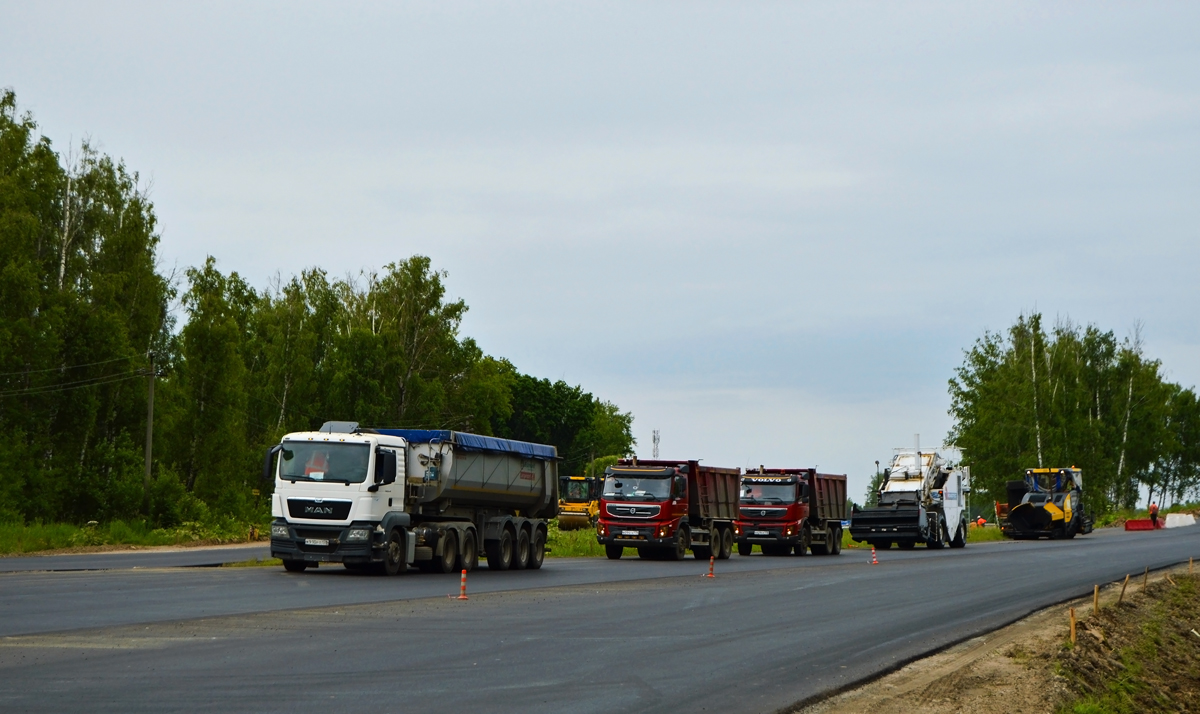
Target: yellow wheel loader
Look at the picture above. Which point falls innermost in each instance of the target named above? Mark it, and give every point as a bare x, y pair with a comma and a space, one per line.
579, 502
1048, 503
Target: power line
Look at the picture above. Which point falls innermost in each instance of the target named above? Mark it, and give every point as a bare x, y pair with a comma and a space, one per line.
68, 386
59, 369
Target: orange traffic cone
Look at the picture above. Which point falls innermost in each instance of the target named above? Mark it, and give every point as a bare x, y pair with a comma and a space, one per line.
711, 559
874, 560
462, 586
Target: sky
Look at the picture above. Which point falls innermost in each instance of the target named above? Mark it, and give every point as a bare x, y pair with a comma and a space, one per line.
768, 230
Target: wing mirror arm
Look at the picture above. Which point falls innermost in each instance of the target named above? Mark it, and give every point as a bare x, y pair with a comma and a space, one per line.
267, 462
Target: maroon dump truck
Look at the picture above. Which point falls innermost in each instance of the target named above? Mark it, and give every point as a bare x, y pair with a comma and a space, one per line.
663, 508
791, 510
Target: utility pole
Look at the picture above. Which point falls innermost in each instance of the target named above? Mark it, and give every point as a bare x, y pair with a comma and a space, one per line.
656, 443
149, 434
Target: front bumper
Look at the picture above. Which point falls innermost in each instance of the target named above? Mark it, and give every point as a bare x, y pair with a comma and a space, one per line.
767, 533
631, 535
325, 544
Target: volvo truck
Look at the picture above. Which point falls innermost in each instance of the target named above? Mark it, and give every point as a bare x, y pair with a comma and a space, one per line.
665, 508
385, 499
785, 511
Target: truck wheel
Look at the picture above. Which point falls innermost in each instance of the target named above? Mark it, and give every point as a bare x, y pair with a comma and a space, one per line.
745, 548
801, 548
537, 550
500, 553
702, 552
907, 544
960, 538
647, 553
683, 539
836, 548
294, 566
445, 562
520, 559
614, 552
395, 557
726, 544
470, 552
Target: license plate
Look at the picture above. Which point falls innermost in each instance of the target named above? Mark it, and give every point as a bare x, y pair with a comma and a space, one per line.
316, 541
762, 532
632, 533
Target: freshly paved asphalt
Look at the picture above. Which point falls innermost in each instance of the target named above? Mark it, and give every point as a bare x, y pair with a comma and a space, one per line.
180, 558
581, 635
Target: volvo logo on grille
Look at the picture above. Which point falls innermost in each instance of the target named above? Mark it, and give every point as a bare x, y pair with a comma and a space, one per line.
762, 513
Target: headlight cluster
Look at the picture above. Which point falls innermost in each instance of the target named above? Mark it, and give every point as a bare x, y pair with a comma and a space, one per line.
664, 531
358, 535
602, 530
279, 530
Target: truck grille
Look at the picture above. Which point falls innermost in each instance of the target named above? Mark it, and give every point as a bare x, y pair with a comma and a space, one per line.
318, 509
750, 513
628, 510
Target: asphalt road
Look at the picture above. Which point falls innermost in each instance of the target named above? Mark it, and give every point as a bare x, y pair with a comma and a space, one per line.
125, 559
583, 635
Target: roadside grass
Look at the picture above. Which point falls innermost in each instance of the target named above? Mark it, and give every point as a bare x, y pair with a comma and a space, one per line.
573, 544
983, 534
37, 536
255, 563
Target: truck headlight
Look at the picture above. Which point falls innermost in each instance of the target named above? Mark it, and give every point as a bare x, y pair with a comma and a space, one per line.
279, 530
358, 535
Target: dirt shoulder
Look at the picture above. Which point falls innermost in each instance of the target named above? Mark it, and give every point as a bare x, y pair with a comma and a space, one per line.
1137, 656
124, 548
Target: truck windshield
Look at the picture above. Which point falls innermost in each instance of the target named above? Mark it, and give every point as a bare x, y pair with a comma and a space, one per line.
636, 488
322, 461
769, 493
576, 492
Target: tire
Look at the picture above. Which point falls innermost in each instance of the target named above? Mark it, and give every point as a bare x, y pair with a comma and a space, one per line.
614, 552
521, 551
537, 550
960, 538
821, 548
357, 567
907, 544
446, 562
295, 566
500, 552
647, 553
801, 548
726, 544
395, 558
837, 542
470, 552
702, 552
677, 551
745, 548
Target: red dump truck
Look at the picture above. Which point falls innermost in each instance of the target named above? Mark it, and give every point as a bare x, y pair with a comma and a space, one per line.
791, 510
663, 508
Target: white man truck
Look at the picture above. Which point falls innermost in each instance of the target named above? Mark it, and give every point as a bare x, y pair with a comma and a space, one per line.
384, 499
920, 501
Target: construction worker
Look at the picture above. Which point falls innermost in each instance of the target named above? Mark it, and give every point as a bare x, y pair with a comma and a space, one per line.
1153, 514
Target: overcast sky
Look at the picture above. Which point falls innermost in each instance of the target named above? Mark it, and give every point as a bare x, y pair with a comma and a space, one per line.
767, 229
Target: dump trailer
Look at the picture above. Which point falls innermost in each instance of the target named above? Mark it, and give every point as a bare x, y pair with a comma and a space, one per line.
1047, 503
920, 501
663, 508
578, 502
384, 499
787, 511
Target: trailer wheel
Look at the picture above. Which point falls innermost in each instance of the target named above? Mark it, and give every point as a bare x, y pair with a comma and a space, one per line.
470, 552
500, 552
537, 550
449, 558
726, 544
745, 548
614, 552
520, 559
395, 556
294, 566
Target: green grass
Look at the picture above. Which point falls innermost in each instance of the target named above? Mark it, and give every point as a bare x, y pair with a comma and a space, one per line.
975, 534
573, 544
255, 563
34, 537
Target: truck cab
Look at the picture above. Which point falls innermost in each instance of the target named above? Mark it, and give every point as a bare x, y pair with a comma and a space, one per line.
790, 510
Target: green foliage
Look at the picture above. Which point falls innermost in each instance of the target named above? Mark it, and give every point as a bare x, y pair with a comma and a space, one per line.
1073, 397
572, 544
82, 308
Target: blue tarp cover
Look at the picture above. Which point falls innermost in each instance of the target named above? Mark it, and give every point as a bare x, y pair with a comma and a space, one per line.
473, 441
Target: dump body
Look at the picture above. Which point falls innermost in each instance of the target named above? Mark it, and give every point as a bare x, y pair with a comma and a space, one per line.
387, 498
578, 502
664, 508
1047, 503
791, 510
921, 501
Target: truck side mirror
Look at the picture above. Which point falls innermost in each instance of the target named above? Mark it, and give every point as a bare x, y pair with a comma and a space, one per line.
680, 486
887, 474
268, 461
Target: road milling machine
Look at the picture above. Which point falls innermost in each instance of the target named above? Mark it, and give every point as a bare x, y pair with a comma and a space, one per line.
921, 500
1048, 503
579, 502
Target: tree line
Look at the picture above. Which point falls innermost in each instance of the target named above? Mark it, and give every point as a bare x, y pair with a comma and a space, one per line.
1075, 396
88, 322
